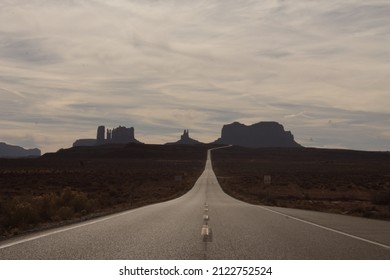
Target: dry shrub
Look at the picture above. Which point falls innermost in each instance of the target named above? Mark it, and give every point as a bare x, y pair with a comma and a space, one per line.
21, 213
77, 201
65, 213
25, 212
382, 198
46, 205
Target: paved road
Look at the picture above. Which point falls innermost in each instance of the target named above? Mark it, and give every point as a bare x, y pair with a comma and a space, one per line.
233, 230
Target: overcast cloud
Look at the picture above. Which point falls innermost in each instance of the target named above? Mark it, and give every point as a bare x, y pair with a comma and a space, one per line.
320, 68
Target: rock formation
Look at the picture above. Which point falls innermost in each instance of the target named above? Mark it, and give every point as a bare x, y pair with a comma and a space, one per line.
119, 135
100, 137
262, 134
122, 134
185, 140
10, 151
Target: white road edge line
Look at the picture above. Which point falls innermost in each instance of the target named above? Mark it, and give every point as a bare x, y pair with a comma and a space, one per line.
91, 222
329, 229
67, 228
317, 225
10, 244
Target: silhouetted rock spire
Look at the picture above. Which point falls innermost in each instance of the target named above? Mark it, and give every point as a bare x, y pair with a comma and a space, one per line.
185, 136
100, 138
185, 139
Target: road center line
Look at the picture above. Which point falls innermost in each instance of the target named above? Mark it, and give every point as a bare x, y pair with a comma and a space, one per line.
327, 228
205, 230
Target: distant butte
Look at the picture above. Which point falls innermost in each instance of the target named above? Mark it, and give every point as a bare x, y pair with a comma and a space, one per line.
185, 140
258, 135
119, 135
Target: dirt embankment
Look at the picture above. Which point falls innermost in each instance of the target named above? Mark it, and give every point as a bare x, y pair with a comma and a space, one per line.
337, 181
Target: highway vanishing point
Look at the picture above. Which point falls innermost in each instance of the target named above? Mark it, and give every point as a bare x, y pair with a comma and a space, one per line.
205, 223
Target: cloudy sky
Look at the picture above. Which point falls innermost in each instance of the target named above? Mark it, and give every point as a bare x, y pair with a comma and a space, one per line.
320, 68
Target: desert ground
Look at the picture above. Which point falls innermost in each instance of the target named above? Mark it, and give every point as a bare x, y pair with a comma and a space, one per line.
85, 182
338, 181
80, 183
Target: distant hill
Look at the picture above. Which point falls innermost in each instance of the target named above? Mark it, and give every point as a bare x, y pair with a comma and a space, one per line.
262, 134
185, 139
10, 151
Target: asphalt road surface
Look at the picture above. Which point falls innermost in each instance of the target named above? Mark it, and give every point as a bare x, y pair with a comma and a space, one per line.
206, 223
